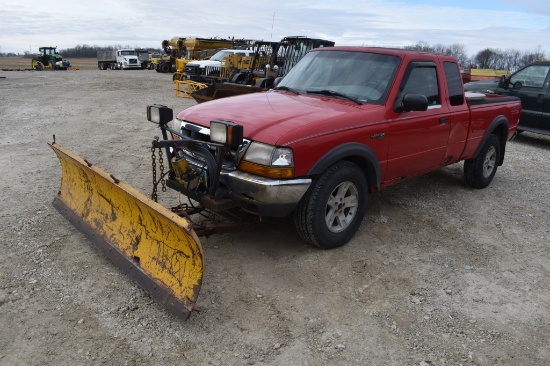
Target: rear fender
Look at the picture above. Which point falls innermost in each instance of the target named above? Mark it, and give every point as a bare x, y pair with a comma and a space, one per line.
499, 127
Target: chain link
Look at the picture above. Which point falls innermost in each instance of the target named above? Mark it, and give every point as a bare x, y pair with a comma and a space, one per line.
154, 196
161, 169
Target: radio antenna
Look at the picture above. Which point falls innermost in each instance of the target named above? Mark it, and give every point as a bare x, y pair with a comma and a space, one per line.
272, 23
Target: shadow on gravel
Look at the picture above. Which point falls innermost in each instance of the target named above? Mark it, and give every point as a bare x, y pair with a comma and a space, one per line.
533, 139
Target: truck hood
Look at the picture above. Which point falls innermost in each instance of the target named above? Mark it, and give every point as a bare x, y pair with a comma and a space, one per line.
277, 117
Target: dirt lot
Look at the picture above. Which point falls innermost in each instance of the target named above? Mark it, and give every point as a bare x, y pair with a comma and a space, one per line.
439, 274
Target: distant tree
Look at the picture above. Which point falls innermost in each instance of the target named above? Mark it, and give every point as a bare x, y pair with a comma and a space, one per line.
456, 50
86, 51
536, 55
422, 46
485, 59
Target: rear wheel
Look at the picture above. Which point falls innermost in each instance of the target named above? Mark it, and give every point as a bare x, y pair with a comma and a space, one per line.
480, 171
333, 208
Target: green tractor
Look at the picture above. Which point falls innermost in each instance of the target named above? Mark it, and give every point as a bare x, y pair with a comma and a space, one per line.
48, 58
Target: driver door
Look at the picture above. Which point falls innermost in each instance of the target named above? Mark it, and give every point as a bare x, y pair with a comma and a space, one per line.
418, 139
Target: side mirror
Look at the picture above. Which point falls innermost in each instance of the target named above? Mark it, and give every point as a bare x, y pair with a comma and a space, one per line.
411, 102
502, 82
517, 85
277, 81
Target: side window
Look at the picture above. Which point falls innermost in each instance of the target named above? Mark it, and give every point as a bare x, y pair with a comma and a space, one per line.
423, 80
532, 76
454, 83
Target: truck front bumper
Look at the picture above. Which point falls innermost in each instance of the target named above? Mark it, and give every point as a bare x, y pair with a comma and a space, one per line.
251, 193
264, 196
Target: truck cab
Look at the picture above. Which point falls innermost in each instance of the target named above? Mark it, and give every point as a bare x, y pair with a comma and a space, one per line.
127, 59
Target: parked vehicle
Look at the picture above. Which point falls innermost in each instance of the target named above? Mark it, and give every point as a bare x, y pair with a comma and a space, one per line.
123, 59
180, 51
269, 62
48, 59
532, 85
196, 70
144, 58
344, 122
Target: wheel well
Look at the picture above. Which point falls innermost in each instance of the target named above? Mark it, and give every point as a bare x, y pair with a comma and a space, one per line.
499, 128
357, 153
367, 168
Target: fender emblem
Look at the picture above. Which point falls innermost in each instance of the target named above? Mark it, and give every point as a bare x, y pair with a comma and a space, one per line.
379, 136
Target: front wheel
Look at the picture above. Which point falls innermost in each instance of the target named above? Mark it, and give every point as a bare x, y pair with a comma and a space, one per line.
480, 170
333, 208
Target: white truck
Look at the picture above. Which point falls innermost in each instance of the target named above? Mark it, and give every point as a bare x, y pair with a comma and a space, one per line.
195, 70
123, 59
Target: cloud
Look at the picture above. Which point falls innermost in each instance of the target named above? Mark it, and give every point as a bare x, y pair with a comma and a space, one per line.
495, 24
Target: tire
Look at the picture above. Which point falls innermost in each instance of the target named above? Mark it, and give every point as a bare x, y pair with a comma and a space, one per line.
333, 208
480, 170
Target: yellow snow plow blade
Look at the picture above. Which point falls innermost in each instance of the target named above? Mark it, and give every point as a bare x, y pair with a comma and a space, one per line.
153, 245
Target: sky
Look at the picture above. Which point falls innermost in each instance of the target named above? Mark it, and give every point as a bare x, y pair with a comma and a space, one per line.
498, 24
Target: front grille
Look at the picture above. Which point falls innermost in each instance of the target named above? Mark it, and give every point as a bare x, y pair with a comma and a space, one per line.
192, 70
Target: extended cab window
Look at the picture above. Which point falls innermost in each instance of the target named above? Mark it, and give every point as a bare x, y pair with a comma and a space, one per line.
422, 79
532, 76
454, 83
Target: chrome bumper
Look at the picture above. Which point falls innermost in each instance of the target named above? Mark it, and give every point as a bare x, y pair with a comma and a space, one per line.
264, 196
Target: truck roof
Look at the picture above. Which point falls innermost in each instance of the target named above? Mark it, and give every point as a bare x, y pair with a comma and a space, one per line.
385, 50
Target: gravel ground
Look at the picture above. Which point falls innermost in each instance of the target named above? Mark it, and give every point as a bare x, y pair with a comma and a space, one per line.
438, 274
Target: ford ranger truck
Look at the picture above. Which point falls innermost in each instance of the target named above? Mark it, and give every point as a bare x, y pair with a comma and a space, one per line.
343, 123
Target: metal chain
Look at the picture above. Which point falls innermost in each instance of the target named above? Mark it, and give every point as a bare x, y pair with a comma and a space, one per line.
161, 169
154, 196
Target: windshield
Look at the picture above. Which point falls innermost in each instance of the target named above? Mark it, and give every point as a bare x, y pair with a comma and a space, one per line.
364, 77
128, 53
218, 56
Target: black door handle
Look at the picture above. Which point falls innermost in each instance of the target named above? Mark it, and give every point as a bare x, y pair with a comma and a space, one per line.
443, 120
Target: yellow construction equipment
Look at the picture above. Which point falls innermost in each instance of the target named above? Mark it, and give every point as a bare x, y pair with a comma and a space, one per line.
185, 88
182, 50
156, 247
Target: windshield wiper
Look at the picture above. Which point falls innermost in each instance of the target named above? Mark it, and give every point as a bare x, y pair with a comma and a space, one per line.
334, 94
287, 89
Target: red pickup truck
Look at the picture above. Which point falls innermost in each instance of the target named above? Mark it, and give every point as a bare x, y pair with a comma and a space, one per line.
344, 122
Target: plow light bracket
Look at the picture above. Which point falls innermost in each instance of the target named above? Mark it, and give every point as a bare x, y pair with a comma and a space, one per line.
159, 114
227, 133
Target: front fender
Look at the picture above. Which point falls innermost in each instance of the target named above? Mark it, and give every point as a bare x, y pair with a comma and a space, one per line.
355, 152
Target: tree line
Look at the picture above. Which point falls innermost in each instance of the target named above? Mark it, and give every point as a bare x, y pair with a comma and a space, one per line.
86, 51
489, 58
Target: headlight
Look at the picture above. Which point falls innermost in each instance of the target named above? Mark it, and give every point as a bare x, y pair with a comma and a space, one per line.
268, 161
